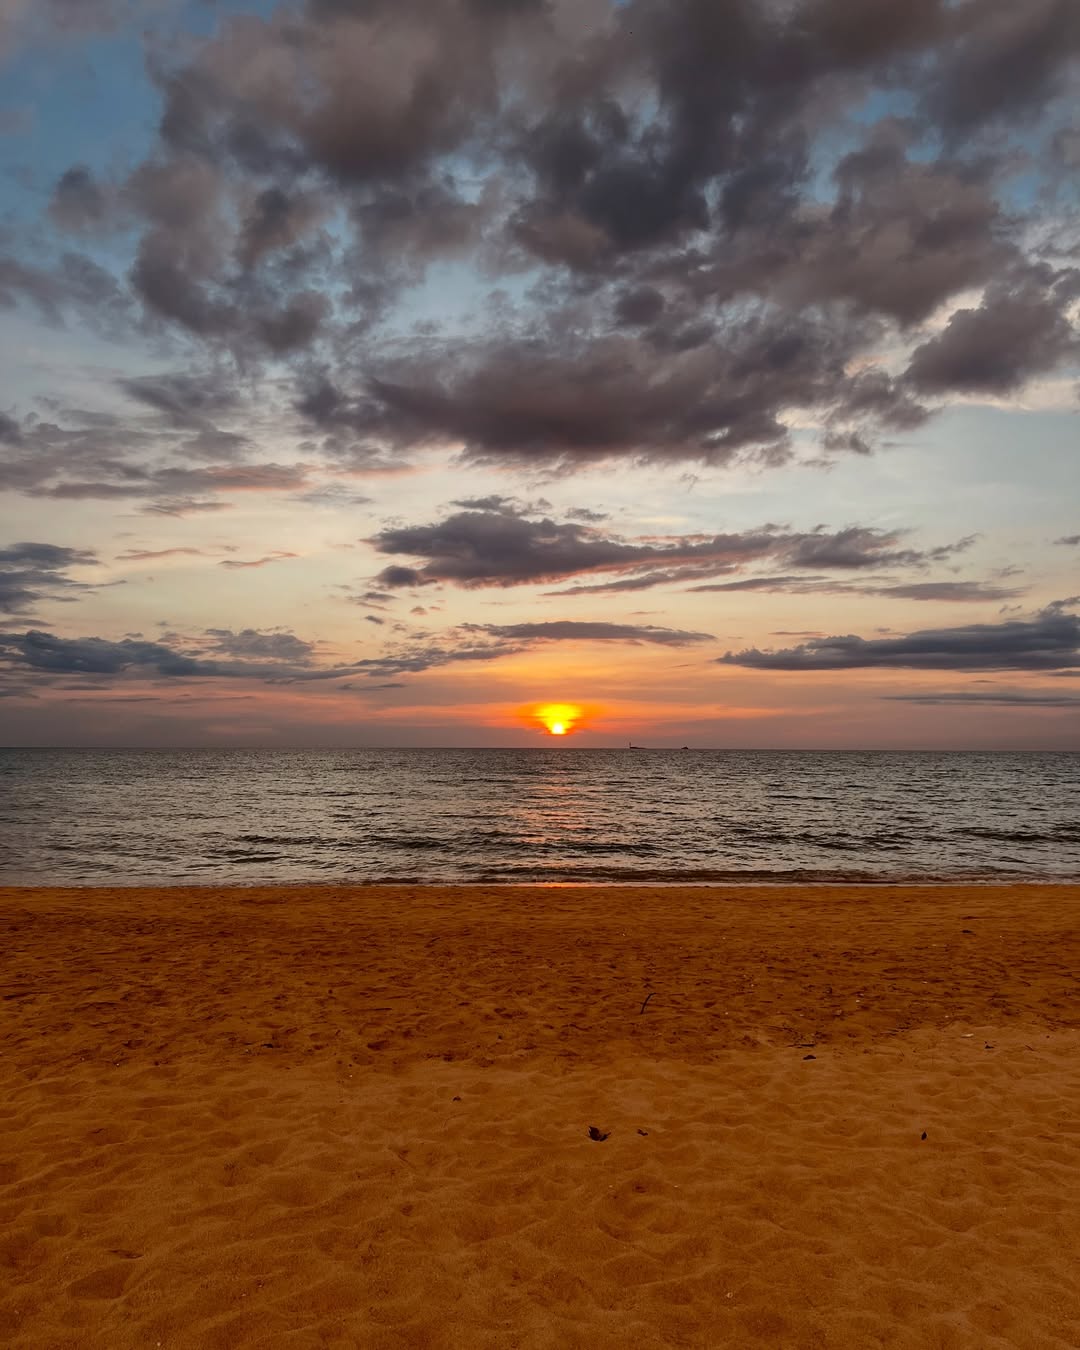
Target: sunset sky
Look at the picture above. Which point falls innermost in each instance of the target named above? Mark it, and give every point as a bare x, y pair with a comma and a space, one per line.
375, 371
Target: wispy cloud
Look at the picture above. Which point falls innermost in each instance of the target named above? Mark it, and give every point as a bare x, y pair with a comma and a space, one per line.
1002, 698
279, 555
568, 630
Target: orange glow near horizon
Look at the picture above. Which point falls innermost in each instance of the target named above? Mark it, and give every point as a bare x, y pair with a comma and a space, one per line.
557, 719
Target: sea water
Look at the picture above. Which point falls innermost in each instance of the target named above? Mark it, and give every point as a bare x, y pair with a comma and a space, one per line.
538, 815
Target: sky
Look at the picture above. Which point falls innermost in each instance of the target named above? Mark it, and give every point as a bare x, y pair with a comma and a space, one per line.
382, 372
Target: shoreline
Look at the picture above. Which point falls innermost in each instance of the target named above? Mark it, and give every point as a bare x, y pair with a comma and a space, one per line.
324, 1116
779, 882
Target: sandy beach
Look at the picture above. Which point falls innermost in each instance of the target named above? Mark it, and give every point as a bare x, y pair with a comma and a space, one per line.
306, 1117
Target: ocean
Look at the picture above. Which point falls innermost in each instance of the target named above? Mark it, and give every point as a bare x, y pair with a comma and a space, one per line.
139, 817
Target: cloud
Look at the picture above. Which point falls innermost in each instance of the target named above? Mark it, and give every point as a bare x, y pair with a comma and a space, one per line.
858, 547
1005, 698
268, 656
1005, 61
493, 502
706, 236
30, 572
504, 547
249, 654
279, 555
1050, 641
10, 431
567, 630
253, 644
153, 554
96, 656
173, 485
278, 656
1014, 335
185, 399
276, 219
72, 285
183, 506
333, 495
948, 591
183, 438
1069, 539
79, 203
555, 401
428, 656
372, 599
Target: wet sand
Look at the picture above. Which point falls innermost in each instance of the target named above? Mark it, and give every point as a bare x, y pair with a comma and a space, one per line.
307, 1117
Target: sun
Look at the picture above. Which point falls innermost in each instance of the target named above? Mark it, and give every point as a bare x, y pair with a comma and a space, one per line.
557, 719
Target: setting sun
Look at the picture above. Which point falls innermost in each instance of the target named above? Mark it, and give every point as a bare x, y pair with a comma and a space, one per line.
558, 719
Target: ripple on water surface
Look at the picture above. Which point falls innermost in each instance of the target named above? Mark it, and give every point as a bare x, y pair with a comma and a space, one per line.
565, 815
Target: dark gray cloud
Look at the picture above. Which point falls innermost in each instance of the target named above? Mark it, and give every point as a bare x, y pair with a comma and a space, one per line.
280, 657
349, 425
1005, 60
564, 402
1050, 641
995, 349
505, 547
223, 654
568, 630
79, 203
1069, 539
275, 220
96, 656
30, 572
713, 236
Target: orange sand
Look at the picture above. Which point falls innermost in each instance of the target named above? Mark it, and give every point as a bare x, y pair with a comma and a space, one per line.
327, 1117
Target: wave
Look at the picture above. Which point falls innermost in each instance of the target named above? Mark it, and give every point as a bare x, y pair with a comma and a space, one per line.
1058, 834
538, 817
